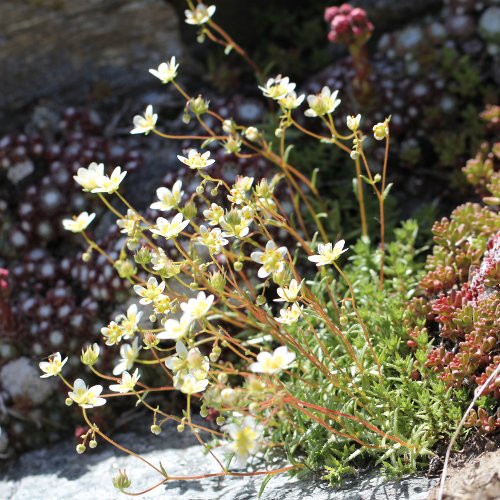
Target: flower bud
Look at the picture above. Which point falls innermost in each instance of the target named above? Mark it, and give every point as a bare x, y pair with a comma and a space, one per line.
90, 355
189, 210
199, 105
215, 354
260, 300
252, 134
93, 443
220, 420
203, 411
143, 256
155, 429
121, 481
222, 378
200, 189
238, 266
68, 401
217, 281
125, 268
80, 448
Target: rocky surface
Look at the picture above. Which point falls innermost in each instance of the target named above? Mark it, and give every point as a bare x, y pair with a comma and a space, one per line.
76, 48
478, 479
59, 473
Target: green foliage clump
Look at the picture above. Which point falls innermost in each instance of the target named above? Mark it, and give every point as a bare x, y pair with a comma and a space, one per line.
388, 392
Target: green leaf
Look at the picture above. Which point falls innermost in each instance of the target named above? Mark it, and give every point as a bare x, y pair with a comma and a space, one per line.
264, 484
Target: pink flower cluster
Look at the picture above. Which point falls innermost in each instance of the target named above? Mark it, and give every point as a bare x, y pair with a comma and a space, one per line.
348, 24
3, 278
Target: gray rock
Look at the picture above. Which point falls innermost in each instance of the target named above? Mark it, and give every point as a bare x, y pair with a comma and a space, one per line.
59, 473
489, 25
74, 48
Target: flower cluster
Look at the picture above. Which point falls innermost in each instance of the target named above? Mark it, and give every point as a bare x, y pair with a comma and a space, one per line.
348, 24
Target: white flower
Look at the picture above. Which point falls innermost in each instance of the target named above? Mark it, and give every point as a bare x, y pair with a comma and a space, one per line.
170, 229
212, 238
251, 133
289, 315
245, 439
168, 199
189, 384
200, 15
79, 224
198, 307
328, 254
214, 215
271, 259
129, 224
353, 122
129, 354
291, 101
289, 293
277, 88
188, 362
381, 130
128, 323
241, 186
112, 333
86, 397
53, 366
196, 160
166, 72
279, 360
127, 383
176, 329
144, 124
110, 184
323, 103
150, 292
87, 177
236, 223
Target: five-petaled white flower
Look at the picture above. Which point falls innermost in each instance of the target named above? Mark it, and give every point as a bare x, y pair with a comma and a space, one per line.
198, 307
129, 322
127, 383
214, 215
245, 439
323, 103
53, 366
196, 160
272, 259
200, 14
279, 360
166, 72
87, 177
79, 224
291, 101
289, 315
189, 384
129, 354
86, 397
143, 124
212, 238
170, 229
168, 198
278, 88
289, 293
150, 292
327, 253
176, 329
110, 184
